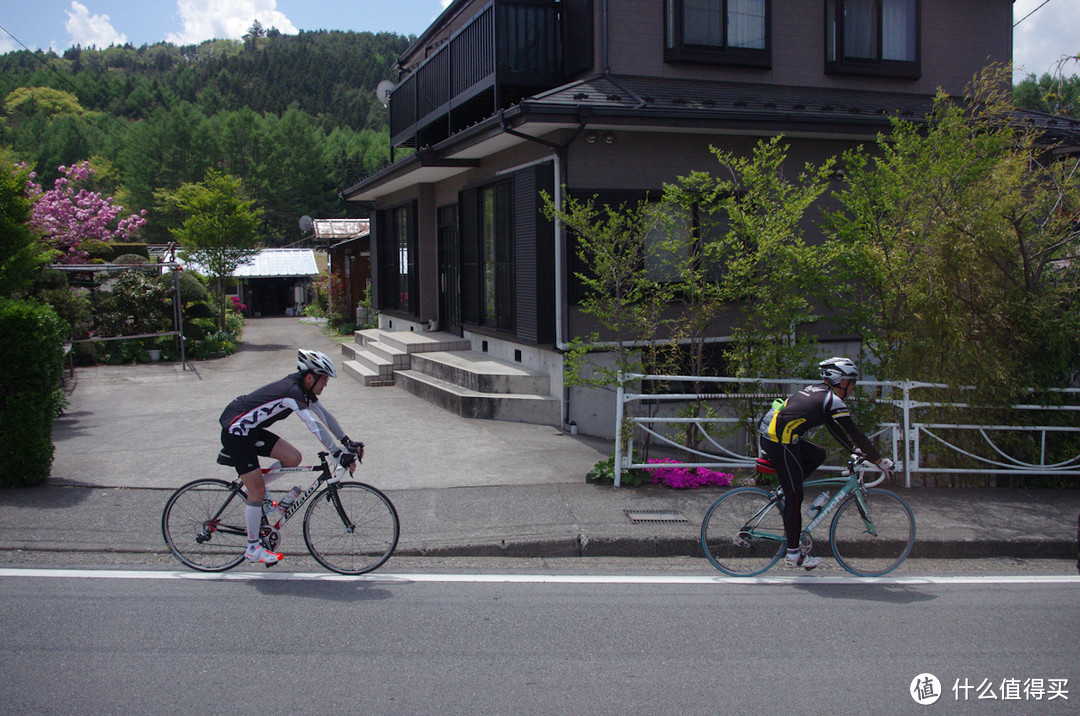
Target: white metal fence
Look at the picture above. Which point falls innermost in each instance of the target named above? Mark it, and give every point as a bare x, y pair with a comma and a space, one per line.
913, 438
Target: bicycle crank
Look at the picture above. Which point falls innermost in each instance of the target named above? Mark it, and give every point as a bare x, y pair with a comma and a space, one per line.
269, 538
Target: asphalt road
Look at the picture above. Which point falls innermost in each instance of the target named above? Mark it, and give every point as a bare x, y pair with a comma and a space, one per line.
457, 642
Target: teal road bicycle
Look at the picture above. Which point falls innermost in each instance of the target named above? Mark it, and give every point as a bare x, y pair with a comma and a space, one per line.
871, 533
349, 527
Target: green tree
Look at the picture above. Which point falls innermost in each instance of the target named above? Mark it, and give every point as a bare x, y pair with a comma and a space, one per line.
219, 227
611, 242
46, 101
22, 253
954, 252
746, 241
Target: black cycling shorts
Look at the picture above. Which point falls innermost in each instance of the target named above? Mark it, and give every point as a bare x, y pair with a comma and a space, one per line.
242, 451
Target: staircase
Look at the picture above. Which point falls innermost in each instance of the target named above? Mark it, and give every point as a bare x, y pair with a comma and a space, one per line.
443, 369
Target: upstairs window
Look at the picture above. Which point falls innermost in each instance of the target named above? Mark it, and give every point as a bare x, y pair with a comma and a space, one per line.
872, 37
729, 32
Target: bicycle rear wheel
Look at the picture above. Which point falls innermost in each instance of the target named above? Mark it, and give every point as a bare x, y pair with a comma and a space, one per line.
203, 525
351, 528
743, 532
873, 542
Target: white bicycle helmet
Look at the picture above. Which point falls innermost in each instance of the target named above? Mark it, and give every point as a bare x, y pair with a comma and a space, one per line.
315, 362
833, 370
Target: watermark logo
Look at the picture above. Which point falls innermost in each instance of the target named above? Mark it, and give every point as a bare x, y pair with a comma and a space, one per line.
925, 689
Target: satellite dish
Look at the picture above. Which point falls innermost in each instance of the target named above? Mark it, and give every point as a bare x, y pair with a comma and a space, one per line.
306, 224
382, 92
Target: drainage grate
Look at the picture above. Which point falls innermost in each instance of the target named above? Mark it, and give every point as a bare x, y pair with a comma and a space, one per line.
637, 516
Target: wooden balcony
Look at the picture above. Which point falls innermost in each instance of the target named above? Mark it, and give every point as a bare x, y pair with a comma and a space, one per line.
510, 50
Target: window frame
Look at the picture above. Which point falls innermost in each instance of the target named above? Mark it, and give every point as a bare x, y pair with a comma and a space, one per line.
838, 63
676, 49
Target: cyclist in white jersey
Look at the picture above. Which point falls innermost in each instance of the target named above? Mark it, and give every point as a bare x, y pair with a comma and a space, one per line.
244, 436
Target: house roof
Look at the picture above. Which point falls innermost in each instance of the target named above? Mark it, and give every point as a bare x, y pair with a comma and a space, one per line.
670, 105
725, 101
274, 263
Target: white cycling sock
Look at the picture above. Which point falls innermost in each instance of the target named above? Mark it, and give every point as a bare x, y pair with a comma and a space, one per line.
253, 520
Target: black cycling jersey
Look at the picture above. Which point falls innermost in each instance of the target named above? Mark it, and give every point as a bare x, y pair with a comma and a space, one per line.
811, 407
276, 401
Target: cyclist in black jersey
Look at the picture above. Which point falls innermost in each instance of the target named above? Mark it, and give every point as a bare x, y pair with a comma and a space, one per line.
794, 457
244, 436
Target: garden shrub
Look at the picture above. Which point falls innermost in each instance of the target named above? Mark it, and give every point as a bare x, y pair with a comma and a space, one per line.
30, 397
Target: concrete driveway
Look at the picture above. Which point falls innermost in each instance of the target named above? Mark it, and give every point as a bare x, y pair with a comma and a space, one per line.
155, 425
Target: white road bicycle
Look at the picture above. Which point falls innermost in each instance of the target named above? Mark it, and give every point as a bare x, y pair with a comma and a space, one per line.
349, 527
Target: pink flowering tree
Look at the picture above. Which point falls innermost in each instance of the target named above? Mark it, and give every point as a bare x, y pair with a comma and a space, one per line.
68, 215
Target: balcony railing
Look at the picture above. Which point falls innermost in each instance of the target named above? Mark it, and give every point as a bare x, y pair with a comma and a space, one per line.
511, 49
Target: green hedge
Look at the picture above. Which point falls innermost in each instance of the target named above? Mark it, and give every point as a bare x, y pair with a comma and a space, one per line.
30, 395
108, 251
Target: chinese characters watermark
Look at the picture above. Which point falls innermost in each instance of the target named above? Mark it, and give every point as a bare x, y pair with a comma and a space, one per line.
926, 689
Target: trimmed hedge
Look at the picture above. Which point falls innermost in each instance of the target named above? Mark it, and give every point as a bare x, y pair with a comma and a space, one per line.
30, 395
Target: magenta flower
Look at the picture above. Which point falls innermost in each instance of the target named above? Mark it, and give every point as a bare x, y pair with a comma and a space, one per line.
684, 478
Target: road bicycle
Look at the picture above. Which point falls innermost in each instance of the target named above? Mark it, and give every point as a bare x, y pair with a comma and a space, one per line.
349, 527
870, 535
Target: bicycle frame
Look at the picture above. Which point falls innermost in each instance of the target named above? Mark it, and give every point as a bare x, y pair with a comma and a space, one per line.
323, 477
852, 484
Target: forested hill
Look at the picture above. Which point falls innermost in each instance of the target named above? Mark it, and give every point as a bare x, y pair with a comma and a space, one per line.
295, 116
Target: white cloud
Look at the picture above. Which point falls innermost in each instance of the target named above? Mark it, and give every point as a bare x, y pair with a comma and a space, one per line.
1040, 40
226, 19
87, 29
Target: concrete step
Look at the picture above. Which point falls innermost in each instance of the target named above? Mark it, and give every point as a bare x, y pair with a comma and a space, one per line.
515, 407
368, 366
360, 372
412, 342
480, 372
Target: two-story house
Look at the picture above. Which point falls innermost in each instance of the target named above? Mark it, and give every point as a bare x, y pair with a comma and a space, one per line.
503, 98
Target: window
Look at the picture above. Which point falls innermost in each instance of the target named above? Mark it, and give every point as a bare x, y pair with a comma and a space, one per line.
496, 256
677, 240
730, 32
398, 262
875, 37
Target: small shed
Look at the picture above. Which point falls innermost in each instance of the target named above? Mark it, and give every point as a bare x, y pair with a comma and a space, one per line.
347, 242
275, 282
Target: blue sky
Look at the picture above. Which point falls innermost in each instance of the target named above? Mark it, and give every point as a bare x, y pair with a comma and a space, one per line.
1039, 41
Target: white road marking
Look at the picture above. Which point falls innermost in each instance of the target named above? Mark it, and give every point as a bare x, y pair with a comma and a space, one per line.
512, 578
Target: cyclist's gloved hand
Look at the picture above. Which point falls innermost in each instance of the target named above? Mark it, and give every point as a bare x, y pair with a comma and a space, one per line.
885, 465
356, 448
346, 459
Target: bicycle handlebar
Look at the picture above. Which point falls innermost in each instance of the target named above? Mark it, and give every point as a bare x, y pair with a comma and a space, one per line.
856, 460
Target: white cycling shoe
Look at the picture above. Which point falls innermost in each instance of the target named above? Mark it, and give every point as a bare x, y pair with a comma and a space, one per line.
802, 560
260, 554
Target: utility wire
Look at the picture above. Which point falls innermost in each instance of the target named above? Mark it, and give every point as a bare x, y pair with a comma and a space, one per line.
1025, 17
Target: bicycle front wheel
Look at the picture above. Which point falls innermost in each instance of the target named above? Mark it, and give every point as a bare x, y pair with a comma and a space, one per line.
351, 528
874, 540
743, 532
203, 525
